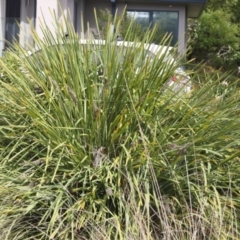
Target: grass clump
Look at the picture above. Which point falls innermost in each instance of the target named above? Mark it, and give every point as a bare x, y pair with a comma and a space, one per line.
94, 147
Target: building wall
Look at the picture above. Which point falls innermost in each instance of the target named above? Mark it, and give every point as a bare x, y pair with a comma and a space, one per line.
53, 10
43, 14
85, 11
73, 15
89, 20
80, 17
35, 12
27, 22
65, 9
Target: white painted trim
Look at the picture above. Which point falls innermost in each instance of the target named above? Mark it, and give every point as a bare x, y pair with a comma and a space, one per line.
2, 25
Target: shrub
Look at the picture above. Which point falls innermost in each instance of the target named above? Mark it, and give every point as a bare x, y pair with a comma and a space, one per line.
214, 38
93, 149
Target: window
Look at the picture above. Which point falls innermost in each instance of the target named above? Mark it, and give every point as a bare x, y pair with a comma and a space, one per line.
140, 17
167, 20
12, 20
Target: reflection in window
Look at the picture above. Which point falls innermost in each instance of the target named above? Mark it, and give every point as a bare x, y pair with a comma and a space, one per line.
12, 19
167, 20
140, 17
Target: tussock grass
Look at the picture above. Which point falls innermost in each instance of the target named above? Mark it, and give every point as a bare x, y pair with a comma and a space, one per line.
93, 149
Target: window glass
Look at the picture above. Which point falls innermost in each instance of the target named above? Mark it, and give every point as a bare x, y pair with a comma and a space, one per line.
12, 19
168, 21
140, 17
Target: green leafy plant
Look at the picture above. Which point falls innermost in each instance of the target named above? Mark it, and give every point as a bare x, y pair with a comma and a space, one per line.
95, 147
213, 38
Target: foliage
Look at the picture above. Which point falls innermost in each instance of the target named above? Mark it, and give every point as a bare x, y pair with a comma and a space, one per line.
214, 38
234, 9
221, 4
94, 147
